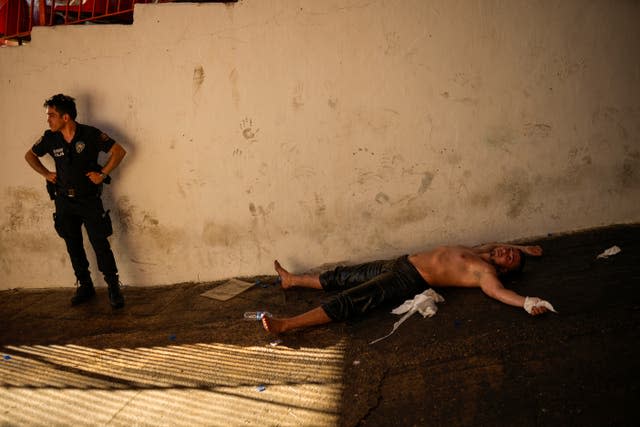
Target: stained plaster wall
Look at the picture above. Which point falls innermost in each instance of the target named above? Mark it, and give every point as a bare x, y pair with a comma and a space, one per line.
317, 132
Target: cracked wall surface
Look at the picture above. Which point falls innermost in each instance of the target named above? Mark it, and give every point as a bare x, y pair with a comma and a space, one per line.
315, 132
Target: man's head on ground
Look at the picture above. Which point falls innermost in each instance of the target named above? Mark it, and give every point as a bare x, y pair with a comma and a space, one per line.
60, 110
507, 260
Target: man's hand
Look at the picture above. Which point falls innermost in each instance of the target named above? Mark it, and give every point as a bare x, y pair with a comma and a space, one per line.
535, 311
536, 306
51, 177
95, 177
531, 250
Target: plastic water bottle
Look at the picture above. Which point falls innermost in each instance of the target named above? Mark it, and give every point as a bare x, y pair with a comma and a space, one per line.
256, 315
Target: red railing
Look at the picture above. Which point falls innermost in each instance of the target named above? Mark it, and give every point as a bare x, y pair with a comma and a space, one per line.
17, 17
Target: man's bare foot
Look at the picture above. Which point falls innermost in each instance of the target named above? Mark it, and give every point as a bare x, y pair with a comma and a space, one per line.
285, 277
271, 325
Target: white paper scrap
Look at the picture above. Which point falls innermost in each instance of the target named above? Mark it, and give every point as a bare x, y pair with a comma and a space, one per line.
613, 250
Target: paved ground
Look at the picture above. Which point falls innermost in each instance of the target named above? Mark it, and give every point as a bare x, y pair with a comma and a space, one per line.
172, 357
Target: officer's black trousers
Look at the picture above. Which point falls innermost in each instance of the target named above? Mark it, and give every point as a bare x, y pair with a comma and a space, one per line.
71, 214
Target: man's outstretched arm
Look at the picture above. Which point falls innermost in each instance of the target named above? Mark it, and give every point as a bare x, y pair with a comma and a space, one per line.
533, 250
491, 286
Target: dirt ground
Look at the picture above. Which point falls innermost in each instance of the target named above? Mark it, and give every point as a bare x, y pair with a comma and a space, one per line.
477, 362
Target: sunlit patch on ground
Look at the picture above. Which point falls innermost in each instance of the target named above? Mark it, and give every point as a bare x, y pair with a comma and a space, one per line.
198, 384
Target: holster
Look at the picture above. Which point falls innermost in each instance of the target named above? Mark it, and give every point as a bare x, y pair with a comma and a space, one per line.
57, 224
51, 189
106, 223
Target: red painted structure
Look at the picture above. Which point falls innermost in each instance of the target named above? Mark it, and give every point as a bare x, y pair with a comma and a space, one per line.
17, 17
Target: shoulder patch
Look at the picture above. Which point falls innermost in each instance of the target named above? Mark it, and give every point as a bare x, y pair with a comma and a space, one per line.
104, 137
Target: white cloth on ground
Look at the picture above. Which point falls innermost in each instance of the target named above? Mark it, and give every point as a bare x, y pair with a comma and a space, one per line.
424, 303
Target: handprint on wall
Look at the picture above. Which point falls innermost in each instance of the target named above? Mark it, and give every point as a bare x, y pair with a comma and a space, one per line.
249, 132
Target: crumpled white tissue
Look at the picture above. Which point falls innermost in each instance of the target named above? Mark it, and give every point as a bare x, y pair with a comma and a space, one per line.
609, 252
424, 303
530, 302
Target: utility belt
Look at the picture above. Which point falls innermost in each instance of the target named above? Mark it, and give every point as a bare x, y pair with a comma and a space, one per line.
68, 192
71, 193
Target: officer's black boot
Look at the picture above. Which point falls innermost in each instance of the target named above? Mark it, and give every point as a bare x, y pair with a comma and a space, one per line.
115, 296
84, 293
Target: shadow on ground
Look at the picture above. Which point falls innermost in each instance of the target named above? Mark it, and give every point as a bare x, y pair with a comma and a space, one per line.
173, 357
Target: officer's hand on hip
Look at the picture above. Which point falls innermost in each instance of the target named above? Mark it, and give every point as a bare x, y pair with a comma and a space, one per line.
96, 177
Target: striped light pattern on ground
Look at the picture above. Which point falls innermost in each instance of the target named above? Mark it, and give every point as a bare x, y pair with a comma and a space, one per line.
197, 384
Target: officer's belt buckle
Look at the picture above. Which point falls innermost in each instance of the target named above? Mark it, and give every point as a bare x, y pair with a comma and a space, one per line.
71, 192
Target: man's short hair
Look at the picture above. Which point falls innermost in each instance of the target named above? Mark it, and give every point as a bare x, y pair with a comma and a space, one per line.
63, 104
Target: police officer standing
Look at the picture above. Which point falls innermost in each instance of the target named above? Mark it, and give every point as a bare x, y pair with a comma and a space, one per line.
76, 186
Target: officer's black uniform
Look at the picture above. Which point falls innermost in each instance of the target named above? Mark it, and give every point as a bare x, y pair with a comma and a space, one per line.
78, 202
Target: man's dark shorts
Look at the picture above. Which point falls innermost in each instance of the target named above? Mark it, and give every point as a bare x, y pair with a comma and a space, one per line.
370, 285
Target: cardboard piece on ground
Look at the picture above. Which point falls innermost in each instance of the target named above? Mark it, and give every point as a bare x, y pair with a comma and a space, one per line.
227, 290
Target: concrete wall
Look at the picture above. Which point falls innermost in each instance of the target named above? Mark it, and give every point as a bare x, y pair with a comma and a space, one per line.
315, 132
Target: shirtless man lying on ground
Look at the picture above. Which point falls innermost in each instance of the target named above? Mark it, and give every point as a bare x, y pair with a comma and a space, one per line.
366, 286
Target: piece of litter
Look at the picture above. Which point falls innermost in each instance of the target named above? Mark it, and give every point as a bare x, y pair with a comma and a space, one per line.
613, 250
356, 362
228, 289
275, 343
6, 357
261, 388
172, 337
